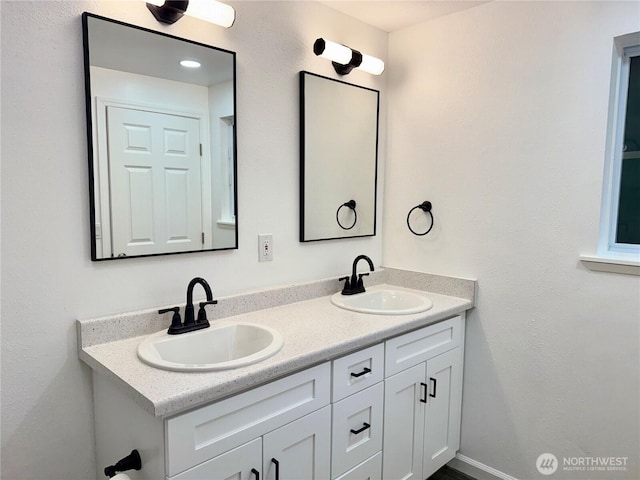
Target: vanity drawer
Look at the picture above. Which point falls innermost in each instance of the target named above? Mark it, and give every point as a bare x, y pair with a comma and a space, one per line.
201, 434
415, 347
357, 371
357, 428
370, 469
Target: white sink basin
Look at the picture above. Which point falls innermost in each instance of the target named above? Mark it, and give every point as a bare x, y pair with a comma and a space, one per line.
383, 302
214, 348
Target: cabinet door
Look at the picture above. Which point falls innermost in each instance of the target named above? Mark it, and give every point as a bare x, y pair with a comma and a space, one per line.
242, 463
442, 424
300, 449
404, 424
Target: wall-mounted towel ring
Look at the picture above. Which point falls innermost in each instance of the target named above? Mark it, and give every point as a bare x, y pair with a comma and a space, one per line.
426, 208
352, 205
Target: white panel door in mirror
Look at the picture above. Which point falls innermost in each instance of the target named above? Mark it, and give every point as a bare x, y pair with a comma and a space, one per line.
155, 182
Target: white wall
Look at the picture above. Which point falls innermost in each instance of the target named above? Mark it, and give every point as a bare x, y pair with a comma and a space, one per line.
48, 280
220, 108
498, 116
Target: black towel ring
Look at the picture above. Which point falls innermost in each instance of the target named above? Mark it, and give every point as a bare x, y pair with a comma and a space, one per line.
352, 205
425, 207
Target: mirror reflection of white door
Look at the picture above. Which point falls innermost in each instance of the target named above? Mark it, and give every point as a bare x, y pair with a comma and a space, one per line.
155, 182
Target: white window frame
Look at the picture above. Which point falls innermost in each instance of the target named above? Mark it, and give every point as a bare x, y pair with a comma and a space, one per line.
613, 256
227, 178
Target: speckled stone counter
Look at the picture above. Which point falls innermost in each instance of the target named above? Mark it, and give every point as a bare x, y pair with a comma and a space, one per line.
313, 330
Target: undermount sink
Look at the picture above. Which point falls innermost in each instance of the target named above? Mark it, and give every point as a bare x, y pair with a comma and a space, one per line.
214, 348
383, 302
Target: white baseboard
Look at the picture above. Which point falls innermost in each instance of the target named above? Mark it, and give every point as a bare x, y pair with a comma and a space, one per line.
477, 470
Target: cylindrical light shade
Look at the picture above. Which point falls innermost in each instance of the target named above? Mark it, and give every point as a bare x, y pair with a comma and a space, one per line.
371, 65
347, 58
332, 51
212, 11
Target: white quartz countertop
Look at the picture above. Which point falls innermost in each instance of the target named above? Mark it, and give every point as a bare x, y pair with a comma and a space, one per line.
314, 331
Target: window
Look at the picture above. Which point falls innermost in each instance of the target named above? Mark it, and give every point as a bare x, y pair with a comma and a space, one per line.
619, 240
628, 218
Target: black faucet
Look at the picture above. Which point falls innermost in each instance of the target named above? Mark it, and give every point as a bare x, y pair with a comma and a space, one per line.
190, 322
354, 284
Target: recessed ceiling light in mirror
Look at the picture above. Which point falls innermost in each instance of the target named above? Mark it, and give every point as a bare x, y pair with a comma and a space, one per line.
190, 63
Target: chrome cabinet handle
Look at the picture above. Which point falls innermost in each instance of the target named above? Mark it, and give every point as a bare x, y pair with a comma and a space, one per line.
365, 426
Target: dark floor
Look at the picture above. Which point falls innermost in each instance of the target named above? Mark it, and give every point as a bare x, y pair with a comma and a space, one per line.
448, 473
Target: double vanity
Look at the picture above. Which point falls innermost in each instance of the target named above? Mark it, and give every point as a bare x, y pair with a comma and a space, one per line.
295, 383
300, 387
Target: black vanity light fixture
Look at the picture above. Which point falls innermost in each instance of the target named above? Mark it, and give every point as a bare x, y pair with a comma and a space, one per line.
212, 11
345, 59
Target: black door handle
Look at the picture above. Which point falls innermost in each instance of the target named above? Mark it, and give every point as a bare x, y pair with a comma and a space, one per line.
365, 426
435, 384
256, 473
277, 464
363, 372
423, 398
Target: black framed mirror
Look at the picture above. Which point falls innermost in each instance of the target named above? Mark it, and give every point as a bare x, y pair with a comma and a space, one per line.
161, 128
338, 158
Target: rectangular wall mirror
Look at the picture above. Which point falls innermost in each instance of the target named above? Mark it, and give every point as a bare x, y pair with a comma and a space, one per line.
162, 142
338, 159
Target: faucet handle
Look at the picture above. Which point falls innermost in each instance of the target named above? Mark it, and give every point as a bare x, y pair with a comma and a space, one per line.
176, 321
360, 285
347, 284
202, 313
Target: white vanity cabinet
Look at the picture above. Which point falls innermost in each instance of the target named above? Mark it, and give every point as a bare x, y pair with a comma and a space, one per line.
389, 411
422, 401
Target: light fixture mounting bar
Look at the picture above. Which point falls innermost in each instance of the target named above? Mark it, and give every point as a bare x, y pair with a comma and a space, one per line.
212, 11
169, 12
